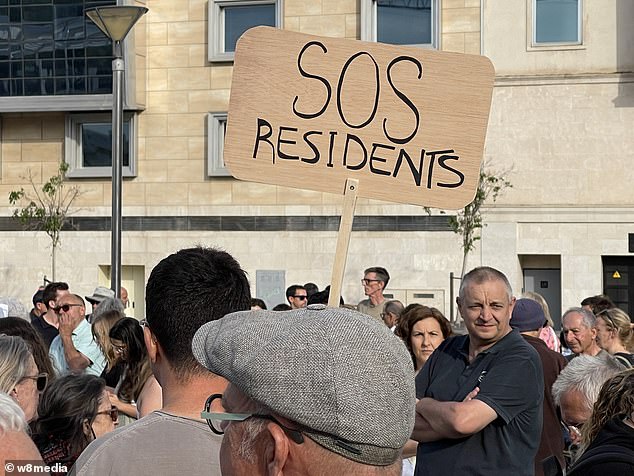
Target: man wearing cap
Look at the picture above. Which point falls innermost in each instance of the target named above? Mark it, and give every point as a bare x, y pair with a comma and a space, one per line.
528, 318
47, 330
184, 291
312, 391
100, 294
480, 407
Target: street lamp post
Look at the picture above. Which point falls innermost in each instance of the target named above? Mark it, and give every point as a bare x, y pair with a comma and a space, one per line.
116, 22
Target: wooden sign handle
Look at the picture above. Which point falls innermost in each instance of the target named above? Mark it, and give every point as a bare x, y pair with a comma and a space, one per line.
343, 240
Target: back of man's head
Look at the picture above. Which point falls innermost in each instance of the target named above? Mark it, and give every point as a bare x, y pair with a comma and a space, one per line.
308, 365
481, 274
50, 292
598, 303
186, 290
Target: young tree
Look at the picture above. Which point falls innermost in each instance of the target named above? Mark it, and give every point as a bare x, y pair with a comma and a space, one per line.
46, 207
468, 222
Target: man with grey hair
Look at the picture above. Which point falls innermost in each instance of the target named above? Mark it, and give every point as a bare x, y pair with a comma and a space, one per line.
312, 391
15, 443
577, 388
392, 313
480, 407
374, 282
580, 332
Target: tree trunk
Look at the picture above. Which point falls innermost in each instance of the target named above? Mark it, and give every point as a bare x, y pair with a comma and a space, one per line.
464, 264
53, 261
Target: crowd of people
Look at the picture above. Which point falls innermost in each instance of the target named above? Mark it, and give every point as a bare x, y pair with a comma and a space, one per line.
211, 382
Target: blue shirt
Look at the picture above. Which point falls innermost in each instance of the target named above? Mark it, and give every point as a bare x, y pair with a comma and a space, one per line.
84, 343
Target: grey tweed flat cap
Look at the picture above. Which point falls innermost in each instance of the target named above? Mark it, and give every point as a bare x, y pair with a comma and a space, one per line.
341, 375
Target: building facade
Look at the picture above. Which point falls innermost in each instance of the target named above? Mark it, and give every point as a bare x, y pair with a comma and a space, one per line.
560, 128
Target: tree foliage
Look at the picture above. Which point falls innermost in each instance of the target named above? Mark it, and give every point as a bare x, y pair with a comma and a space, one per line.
45, 207
468, 222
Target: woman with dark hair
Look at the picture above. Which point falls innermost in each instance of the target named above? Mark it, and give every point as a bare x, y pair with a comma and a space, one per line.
138, 393
73, 411
14, 326
422, 329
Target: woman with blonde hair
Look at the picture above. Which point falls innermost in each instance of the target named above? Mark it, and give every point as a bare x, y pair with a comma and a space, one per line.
607, 439
101, 326
615, 334
19, 375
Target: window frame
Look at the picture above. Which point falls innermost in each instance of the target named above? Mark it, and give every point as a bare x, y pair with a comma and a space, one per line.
216, 128
133, 99
73, 154
215, 39
532, 40
368, 23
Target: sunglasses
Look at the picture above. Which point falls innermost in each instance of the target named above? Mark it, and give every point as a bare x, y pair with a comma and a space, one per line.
113, 412
301, 297
40, 380
65, 308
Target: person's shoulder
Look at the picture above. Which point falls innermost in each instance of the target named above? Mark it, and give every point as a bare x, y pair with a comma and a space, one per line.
116, 443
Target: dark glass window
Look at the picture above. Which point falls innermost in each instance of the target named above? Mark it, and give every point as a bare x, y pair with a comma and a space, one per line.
96, 144
557, 21
404, 22
239, 18
48, 47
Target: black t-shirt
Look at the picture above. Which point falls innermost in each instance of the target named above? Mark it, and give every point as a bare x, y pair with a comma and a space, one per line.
510, 378
46, 331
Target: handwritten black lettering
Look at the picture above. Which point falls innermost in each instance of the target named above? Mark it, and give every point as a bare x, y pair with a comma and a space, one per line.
376, 96
403, 98
441, 161
375, 158
281, 154
417, 173
360, 165
313, 76
331, 147
264, 137
314, 148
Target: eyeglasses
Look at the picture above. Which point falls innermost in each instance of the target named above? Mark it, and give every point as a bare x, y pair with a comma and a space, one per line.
573, 430
217, 419
143, 323
113, 413
119, 348
301, 297
606, 313
40, 380
65, 308
365, 282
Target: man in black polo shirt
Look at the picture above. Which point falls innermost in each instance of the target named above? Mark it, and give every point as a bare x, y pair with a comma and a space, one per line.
480, 407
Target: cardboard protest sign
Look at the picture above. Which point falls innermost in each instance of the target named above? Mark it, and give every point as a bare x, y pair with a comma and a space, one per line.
310, 112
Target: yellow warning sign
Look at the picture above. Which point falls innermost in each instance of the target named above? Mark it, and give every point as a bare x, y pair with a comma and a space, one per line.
616, 275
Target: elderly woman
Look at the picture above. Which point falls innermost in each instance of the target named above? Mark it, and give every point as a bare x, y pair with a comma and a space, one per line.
73, 411
615, 334
607, 445
19, 376
422, 329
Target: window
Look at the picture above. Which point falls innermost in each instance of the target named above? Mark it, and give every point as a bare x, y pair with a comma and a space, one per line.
400, 22
228, 19
88, 145
50, 48
216, 127
556, 22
